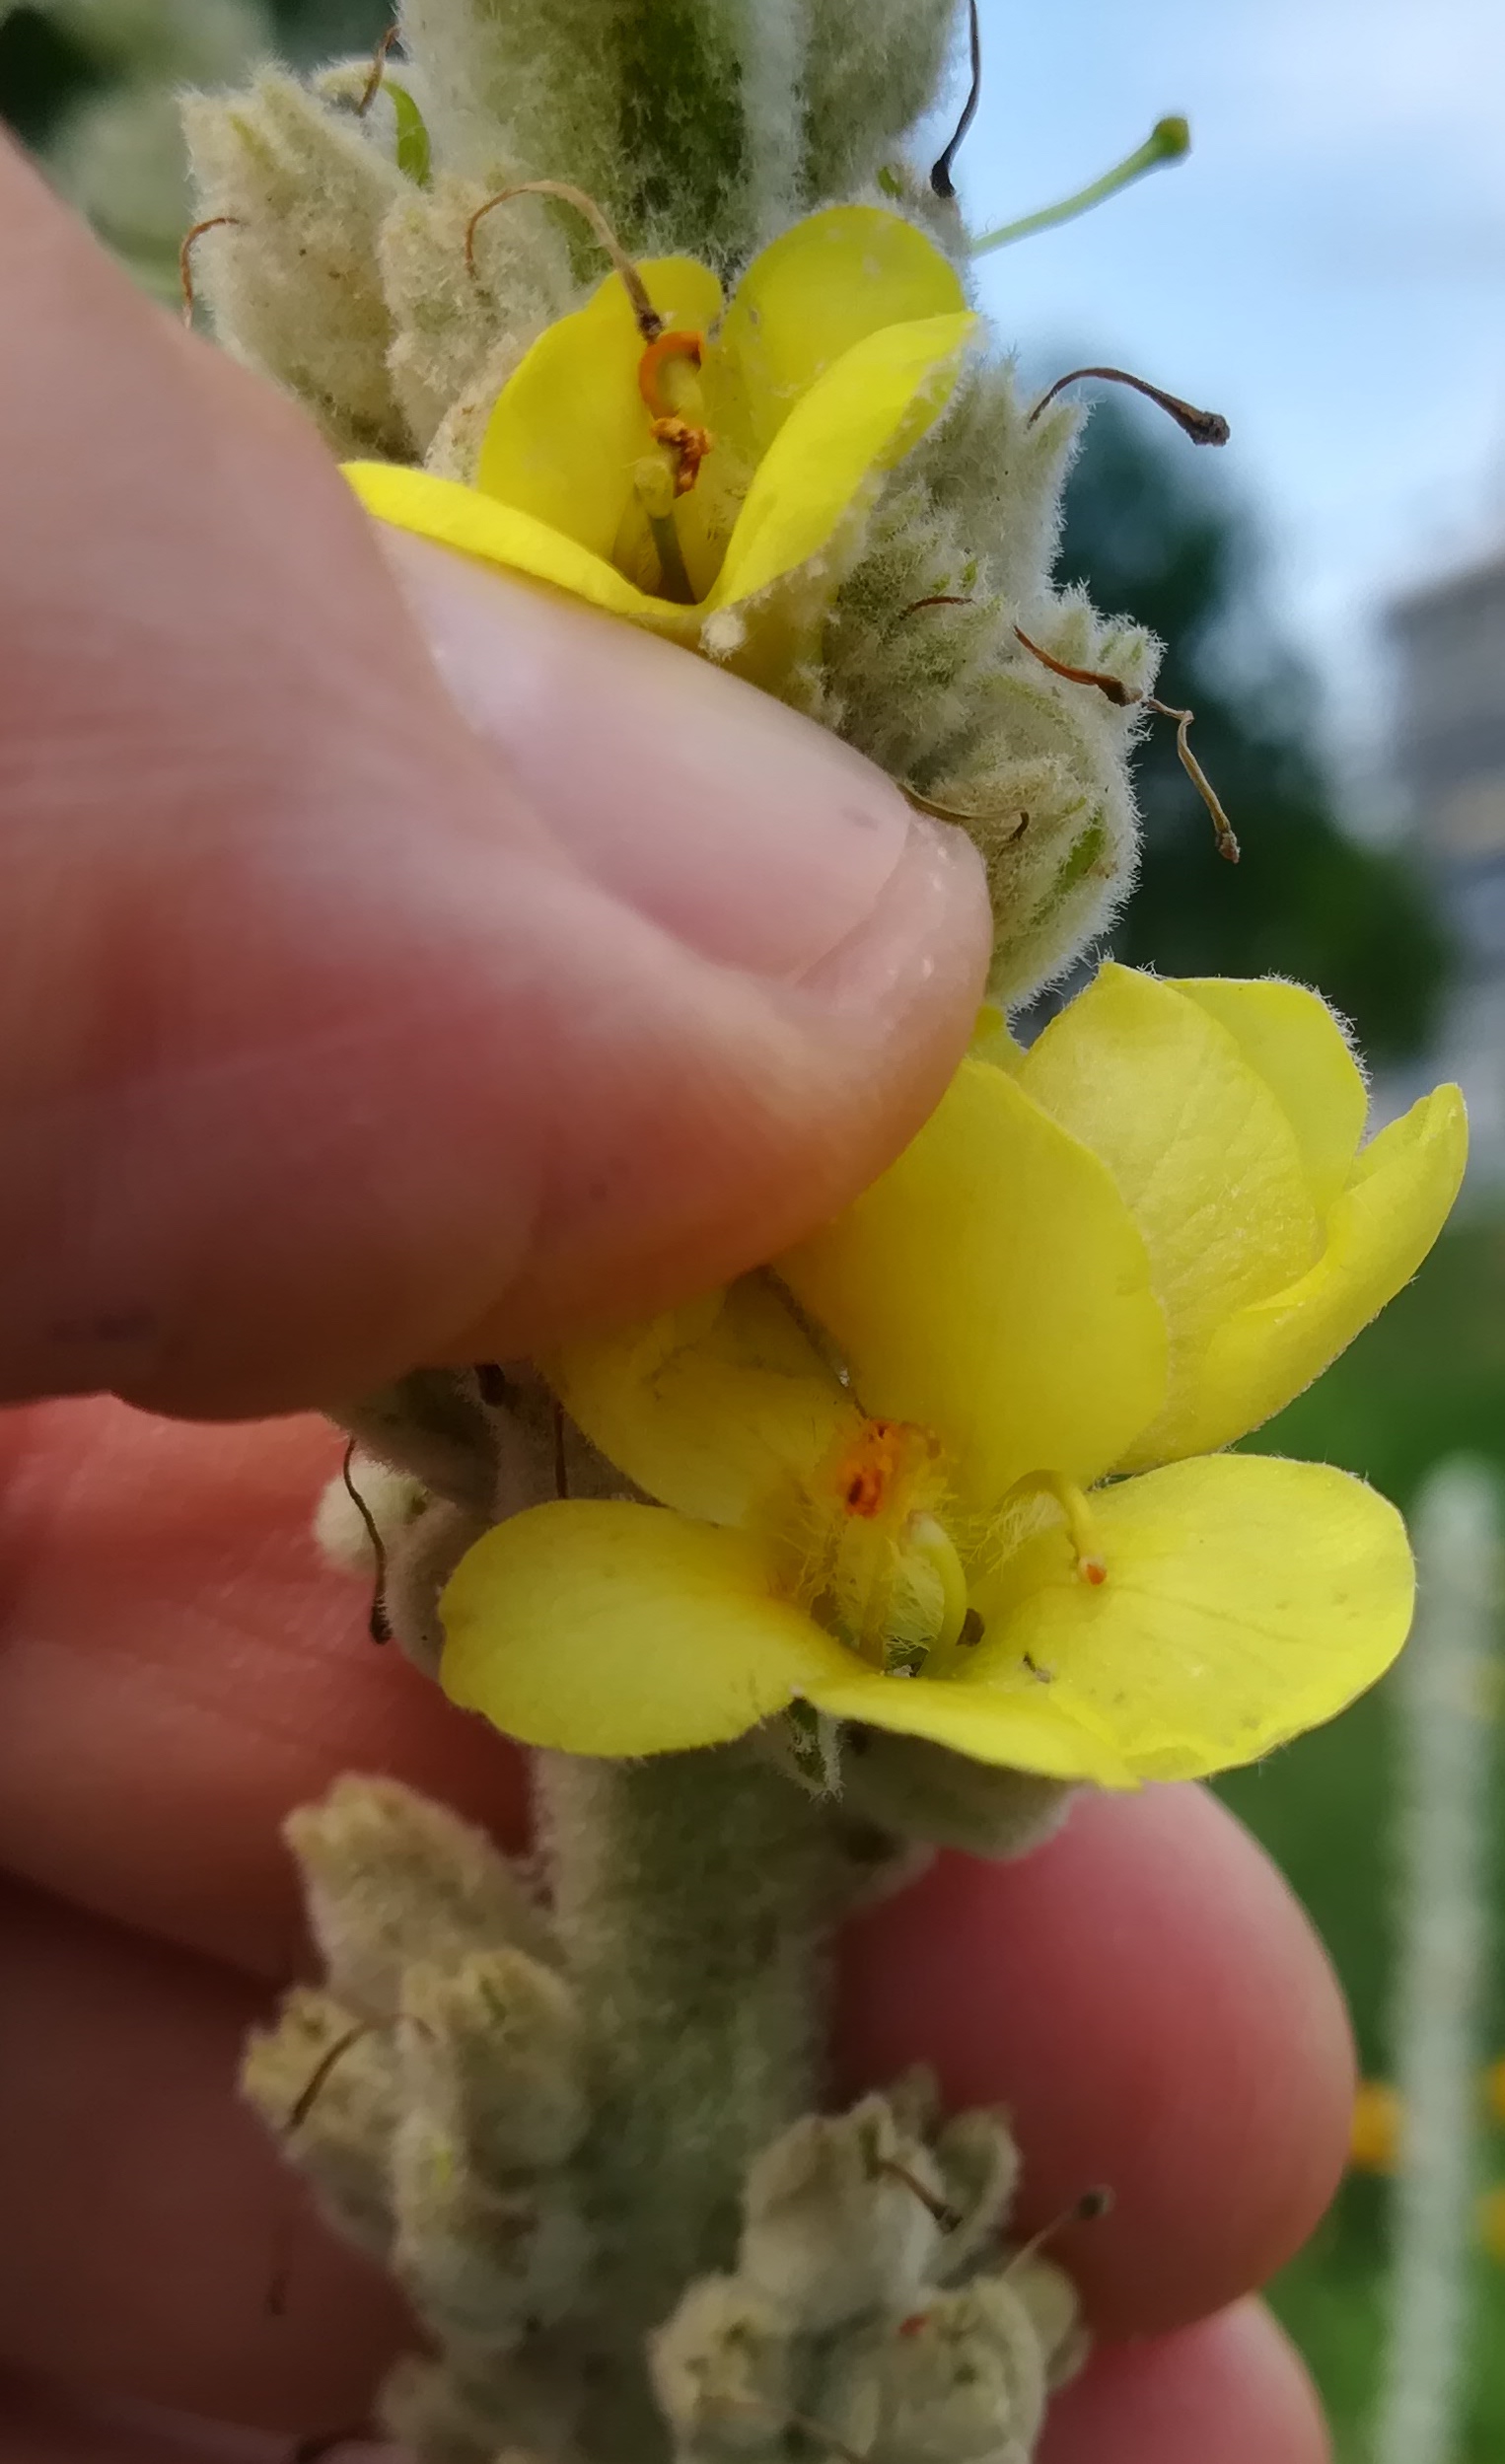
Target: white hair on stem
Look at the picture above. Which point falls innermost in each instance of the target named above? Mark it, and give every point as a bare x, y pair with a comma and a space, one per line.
771, 44
1443, 1841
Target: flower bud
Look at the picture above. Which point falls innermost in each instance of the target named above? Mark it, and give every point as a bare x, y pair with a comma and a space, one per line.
327, 2087
461, 324
393, 1879
841, 2216
723, 2371
493, 2056
959, 2382
293, 287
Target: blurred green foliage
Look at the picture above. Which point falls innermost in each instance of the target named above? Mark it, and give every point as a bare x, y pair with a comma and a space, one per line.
45, 68
42, 70
1150, 527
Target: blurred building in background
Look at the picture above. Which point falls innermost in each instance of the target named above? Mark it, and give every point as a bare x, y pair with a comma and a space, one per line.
1449, 743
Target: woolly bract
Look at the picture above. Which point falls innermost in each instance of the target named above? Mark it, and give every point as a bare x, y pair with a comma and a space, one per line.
1121, 1249
838, 352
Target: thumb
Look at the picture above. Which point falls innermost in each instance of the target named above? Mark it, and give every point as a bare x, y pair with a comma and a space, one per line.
392, 971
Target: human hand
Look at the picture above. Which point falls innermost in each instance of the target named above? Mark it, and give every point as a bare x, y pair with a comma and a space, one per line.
340, 1033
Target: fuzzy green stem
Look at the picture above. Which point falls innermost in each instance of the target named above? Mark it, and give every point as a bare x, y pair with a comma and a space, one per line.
1168, 141
693, 1895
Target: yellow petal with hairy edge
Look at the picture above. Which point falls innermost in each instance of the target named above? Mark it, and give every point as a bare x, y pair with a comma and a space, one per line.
1202, 1153
1291, 1037
570, 423
1378, 1234
827, 284
478, 525
609, 1628
713, 1408
1017, 1730
857, 421
1246, 1600
992, 1287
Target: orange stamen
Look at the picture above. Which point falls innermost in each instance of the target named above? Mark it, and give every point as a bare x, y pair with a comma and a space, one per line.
689, 442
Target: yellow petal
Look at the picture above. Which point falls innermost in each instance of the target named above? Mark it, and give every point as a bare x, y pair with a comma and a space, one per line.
827, 284
992, 1287
1199, 1147
1245, 1600
1378, 1234
713, 1408
1291, 1037
570, 423
1017, 1730
607, 1629
856, 421
478, 525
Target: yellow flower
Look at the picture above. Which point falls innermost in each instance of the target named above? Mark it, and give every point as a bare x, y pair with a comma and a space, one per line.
1491, 2221
877, 1464
678, 482
1377, 2129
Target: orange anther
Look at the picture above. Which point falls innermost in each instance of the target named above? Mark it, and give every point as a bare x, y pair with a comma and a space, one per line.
650, 368
689, 446
866, 1474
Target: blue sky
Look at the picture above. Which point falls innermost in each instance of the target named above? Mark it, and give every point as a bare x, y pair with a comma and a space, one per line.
1328, 267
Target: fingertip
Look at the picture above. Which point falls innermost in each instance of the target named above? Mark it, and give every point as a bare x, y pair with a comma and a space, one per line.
1152, 2006
1232, 2390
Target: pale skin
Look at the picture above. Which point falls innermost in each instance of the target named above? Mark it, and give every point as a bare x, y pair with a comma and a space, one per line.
339, 1027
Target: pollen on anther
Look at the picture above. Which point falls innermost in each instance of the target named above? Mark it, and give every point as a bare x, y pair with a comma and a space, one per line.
866, 1475
1091, 1570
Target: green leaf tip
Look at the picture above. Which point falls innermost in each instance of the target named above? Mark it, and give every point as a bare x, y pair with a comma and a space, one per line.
414, 155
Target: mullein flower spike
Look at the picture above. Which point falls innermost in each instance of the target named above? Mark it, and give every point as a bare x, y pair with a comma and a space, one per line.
927, 1523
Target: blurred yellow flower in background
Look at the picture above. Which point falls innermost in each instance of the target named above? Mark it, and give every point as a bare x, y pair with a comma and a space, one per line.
1491, 2221
1376, 2131
838, 351
878, 1465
